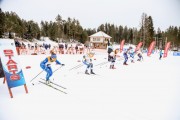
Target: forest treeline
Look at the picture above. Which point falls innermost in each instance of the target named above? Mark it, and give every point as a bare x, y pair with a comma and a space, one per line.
61, 29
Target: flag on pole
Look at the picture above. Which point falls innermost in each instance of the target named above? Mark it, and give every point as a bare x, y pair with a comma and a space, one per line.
166, 49
151, 47
139, 46
122, 45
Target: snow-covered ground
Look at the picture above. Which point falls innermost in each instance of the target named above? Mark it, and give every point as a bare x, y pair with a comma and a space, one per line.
147, 90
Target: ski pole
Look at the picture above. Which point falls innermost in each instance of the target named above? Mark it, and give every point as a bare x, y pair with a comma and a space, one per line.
102, 63
57, 69
77, 66
36, 75
42, 71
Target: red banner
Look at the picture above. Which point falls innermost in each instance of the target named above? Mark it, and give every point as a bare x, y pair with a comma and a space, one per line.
121, 45
138, 46
166, 49
151, 47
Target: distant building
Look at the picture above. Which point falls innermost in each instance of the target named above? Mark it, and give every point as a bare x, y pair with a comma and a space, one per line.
6, 34
99, 40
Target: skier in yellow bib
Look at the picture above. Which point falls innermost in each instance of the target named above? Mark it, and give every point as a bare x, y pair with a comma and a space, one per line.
46, 65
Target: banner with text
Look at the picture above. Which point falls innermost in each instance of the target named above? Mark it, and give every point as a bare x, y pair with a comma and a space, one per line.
10, 63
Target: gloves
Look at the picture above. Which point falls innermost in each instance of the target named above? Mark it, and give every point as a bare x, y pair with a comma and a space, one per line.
63, 64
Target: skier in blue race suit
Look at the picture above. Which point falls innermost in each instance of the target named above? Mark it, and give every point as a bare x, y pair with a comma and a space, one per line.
160, 54
46, 65
125, 54
131, 54
140, 57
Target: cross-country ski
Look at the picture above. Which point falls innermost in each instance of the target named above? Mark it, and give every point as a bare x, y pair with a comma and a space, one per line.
54, 83
52, 87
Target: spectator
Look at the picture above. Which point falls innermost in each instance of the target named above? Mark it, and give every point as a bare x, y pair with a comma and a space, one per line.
76, 48
18, 46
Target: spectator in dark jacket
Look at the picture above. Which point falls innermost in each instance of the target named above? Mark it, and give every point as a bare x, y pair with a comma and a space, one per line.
18, 46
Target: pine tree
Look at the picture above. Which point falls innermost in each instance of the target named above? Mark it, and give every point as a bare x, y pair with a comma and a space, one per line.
147, 30
59, 26
158, 35
150, 30
2, 22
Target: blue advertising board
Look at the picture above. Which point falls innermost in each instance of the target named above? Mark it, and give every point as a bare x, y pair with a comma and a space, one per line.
176, 53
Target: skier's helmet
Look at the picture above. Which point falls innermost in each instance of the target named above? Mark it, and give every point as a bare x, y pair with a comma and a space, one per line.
53, 56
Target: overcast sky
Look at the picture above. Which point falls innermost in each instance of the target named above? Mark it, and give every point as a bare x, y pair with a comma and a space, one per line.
93, 13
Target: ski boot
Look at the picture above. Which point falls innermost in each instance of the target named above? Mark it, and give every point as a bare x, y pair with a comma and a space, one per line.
110, 67
113, 67
47, 82
125, 64
86, 72
92, 72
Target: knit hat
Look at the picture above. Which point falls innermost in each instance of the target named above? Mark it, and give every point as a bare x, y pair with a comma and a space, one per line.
53, 56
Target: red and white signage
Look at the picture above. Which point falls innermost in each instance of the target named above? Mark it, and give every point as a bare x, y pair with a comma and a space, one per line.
11, 65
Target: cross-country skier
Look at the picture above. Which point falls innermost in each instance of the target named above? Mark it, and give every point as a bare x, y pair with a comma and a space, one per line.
131, 54
87, 60
126, 56
160, 54
112, 58
46, 65
140, 57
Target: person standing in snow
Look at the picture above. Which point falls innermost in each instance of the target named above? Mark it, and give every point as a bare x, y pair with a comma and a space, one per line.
110, 49
87, 60
46, 65
18, 46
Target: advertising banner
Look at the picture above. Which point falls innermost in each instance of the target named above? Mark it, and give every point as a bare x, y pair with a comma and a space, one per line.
166, 49
151, 47
138, 46
176, 53
10, 63
122, 45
